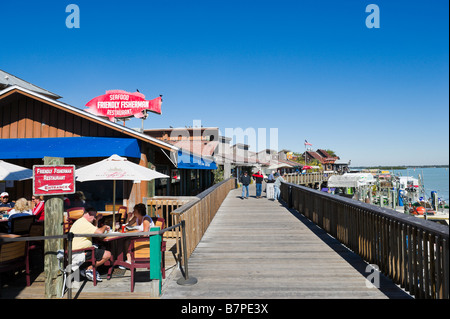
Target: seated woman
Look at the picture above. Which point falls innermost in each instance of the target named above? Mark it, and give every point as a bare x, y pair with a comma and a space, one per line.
20, 209
142, 223
39, 209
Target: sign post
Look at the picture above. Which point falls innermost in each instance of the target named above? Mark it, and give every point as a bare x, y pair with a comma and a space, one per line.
52, 180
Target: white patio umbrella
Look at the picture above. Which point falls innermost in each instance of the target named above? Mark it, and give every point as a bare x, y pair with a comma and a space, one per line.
11, 172
116, 168
279, 165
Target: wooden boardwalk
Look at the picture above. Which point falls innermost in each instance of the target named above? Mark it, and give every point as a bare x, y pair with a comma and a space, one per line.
257, 248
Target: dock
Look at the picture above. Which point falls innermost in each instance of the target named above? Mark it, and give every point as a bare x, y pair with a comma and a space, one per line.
258, 248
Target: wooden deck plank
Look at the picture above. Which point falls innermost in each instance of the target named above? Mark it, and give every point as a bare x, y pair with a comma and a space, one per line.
257, 248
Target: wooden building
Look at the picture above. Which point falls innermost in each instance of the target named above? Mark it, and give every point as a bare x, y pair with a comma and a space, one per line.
326, 160
34, 124
196, 161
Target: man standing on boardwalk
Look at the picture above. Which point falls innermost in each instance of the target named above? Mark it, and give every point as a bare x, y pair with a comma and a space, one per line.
258, 179
245, 180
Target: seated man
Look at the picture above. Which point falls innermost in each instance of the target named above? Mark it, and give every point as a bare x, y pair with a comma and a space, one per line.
86, 225
5, 204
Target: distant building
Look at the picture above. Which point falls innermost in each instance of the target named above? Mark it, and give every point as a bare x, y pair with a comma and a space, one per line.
197, 147
328, 162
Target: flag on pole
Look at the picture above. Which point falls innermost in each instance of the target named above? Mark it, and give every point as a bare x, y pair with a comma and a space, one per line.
306, 143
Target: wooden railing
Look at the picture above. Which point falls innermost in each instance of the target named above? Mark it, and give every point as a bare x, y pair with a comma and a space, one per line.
411, 251
163, 206
308, 178
199, 213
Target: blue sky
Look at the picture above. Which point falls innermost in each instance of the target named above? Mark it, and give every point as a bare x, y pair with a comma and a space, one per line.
311, 69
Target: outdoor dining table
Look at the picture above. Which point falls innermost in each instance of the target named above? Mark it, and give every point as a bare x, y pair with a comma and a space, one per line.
6, 235
116, 245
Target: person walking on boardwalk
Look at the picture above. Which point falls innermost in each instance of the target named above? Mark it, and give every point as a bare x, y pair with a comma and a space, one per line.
245, 180
258, 177
277, 186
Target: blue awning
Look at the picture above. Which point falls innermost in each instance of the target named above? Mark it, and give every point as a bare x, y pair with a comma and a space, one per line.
18, 148
191, 161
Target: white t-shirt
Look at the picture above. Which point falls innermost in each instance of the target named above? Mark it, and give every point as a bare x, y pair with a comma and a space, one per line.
141, 226
13, 211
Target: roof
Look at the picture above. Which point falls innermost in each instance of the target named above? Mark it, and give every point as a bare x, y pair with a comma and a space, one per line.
74, 110
294, 164
342, 162
351, 180
236, 159
7, 80
321, 159
314, 155
323, 153
203, 148
158, 130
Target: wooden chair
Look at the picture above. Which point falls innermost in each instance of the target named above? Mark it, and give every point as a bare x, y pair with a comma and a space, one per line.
139, 250
14, 256
108, 220
73, 214
36, 230
21, 225
123, 210
90, 261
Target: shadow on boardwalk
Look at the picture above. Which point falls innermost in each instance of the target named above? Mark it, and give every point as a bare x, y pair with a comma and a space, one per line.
387, 287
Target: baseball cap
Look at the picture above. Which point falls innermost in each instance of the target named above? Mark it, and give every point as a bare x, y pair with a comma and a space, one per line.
4, 194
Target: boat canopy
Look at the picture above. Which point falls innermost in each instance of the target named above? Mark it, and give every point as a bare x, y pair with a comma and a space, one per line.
351, 180
408, 181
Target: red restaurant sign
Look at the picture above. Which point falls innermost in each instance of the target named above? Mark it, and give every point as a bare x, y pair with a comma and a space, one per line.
53, 180
120, 104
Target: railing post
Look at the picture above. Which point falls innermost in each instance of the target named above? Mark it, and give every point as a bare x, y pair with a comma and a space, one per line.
155, 263
186, 280
290, 196
70, 237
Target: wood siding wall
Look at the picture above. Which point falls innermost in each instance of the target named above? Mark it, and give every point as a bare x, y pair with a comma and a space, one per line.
23, 117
